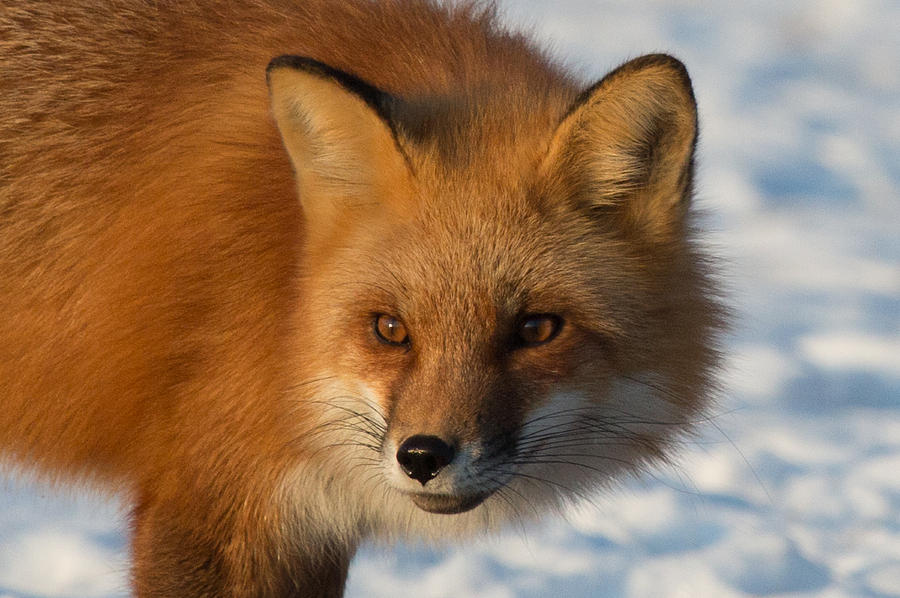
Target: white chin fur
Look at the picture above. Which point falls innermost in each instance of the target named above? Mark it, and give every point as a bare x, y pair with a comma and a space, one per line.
356, 488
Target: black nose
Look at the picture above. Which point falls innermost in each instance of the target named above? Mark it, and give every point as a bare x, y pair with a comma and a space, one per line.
422, 457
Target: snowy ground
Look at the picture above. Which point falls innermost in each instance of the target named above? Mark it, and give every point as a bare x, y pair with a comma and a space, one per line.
795, 489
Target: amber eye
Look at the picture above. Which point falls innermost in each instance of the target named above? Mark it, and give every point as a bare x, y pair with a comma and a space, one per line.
537, 329
390, 330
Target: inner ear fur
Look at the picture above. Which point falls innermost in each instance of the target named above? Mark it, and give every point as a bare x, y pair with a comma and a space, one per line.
625, 148
338, 133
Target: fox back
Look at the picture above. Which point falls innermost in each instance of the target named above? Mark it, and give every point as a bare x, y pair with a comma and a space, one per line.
289, 275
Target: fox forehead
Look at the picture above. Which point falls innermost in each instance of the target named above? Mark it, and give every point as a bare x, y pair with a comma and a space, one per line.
473, 252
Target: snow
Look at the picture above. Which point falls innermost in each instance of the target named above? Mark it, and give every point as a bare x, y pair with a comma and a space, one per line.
60, 543
794, 487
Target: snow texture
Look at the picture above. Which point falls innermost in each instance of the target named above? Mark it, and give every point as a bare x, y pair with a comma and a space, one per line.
794, 488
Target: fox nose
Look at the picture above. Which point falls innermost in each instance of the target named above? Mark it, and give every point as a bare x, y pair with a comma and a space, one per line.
422, 457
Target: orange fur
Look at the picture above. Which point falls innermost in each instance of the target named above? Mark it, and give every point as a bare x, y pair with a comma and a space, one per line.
178, 327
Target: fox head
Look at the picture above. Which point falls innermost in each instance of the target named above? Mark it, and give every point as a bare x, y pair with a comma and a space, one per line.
501, 303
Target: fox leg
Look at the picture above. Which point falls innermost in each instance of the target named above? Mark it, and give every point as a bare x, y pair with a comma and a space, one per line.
179, 552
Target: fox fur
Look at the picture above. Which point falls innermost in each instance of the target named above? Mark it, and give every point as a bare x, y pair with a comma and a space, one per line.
207, 208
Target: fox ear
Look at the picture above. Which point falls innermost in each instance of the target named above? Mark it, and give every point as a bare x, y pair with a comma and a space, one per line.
625, 148
338, 133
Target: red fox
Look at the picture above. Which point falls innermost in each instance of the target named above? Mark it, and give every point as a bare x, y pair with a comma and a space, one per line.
290, 275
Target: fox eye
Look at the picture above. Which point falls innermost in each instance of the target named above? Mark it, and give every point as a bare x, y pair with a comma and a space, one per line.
390, 330
537, 329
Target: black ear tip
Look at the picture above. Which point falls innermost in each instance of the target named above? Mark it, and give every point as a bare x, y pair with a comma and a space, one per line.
659, 59
299, 63
371, 95
282, 61
665, 61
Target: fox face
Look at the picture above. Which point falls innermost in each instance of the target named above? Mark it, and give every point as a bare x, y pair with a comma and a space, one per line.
509, 308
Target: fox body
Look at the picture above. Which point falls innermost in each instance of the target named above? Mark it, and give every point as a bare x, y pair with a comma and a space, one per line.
408, 278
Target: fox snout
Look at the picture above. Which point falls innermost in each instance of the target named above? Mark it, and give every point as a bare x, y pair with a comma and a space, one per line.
423, 457
450, 466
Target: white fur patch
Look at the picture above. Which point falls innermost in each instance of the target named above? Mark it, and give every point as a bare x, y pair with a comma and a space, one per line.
569, 445
574, 443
